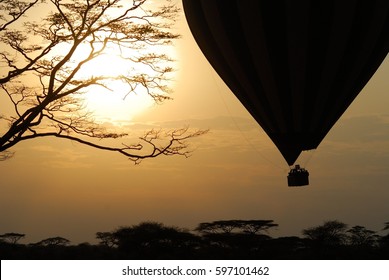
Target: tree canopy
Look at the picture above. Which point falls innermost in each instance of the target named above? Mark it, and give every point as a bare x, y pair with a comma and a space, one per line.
43, 83
242, 226
12, 237
154, 240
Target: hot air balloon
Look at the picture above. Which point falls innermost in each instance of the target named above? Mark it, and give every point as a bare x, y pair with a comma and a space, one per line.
295, 65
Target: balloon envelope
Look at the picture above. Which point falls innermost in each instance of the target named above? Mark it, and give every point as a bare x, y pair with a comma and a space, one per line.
295, 65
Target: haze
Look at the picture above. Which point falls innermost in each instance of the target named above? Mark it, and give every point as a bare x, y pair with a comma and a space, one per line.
59, 188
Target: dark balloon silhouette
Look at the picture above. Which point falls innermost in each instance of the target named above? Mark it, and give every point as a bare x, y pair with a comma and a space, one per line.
295, 65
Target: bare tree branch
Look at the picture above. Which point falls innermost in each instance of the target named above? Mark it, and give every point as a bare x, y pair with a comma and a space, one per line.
174, 143
45, 82
16, 9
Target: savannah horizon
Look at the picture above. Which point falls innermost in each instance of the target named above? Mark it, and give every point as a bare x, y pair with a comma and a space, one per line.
53, 187
271, 232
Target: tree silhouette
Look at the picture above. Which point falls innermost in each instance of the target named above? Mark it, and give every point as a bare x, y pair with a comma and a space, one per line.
155, 240
386, 227
42, 71
362, 242
217, 227
11, 237
53, 241
13, 10
326, 240
242, 226
360, 236
330, 233
106, 239
235, 238
256, 226
384, 243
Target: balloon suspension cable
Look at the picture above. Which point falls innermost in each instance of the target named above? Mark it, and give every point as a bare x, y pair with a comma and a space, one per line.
310, 153
239, 128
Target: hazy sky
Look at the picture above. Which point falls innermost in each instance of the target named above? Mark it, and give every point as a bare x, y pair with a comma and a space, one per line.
58, 188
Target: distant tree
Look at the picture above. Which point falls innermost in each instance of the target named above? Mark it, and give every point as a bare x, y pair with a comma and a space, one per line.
330, 233
106, 238
257, 226
327, 240
53, 241
240, 226
41, 64
236, 238
384, 242
11, 237
155, 240
217, 227
360, 236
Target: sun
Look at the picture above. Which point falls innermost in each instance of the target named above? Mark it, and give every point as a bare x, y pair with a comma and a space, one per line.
114, 101
114, 105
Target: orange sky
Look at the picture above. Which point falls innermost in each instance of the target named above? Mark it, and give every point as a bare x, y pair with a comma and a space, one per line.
58, 188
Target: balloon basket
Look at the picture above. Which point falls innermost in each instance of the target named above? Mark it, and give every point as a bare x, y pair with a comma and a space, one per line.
298, 177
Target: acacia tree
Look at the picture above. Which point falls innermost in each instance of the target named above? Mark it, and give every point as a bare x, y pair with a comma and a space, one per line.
362, 237
12, 237
53, 241
155, 240
106, 238
330, 233
239, 226
43, 81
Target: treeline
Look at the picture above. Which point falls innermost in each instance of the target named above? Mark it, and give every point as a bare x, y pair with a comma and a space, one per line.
227, 239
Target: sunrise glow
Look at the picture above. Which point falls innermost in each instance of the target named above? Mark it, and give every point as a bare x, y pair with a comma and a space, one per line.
114, 100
